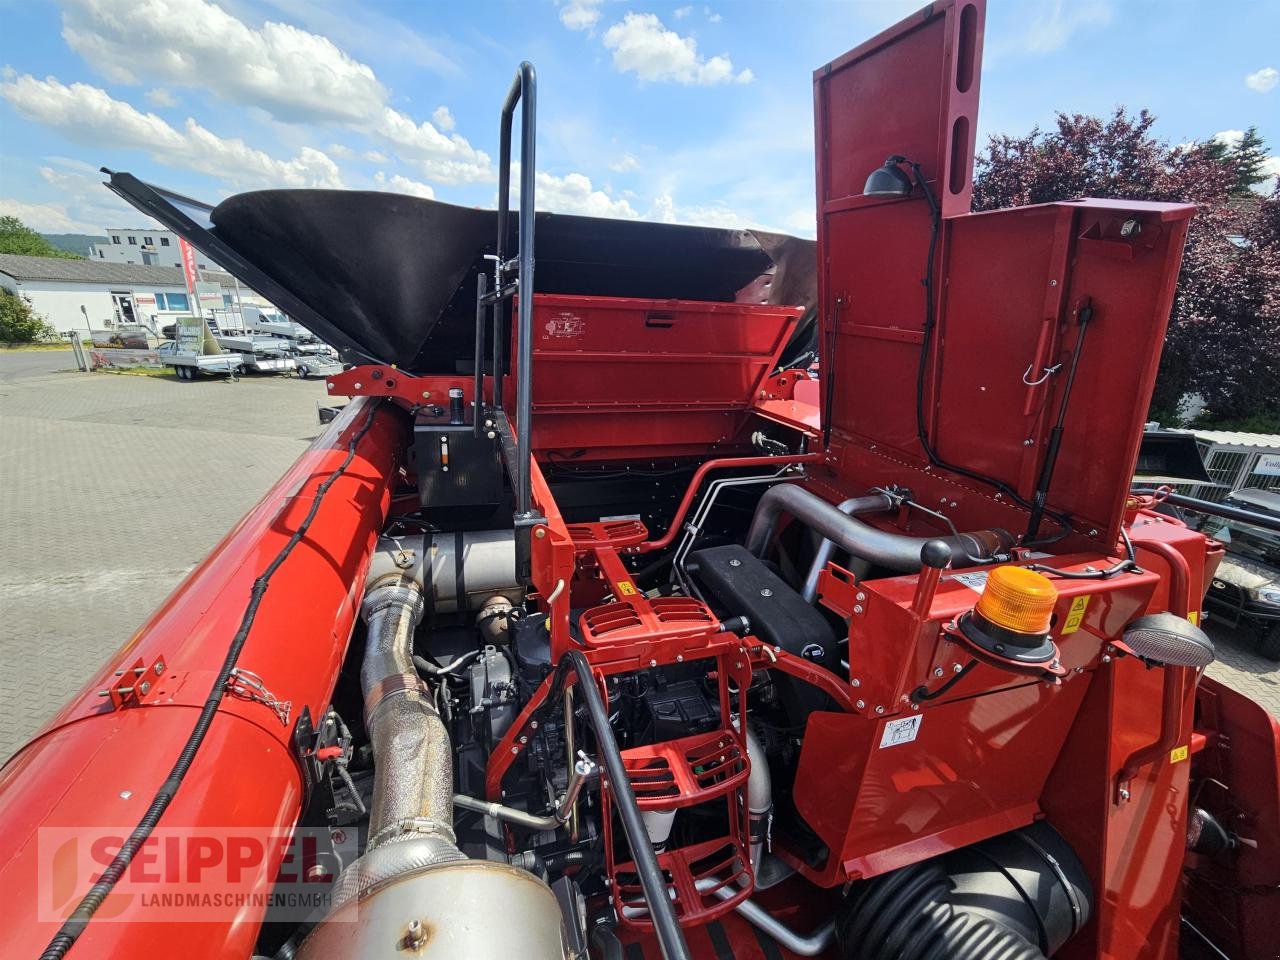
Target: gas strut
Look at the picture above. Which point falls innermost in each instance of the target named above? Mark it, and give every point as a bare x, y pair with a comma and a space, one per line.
1083, 315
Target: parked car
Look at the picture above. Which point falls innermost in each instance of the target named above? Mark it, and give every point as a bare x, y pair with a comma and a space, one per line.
1246, 588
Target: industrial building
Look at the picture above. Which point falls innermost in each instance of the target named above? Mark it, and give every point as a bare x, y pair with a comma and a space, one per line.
92, 295
144, 247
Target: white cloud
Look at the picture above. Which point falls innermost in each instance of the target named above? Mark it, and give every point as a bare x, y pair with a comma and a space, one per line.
294, 75
643, 46
666, 210
399, 184
581, 14
160, 97
711, 15
443, 118
1264, 80
46, 217
573, 193
90, 115
1044, 26
1229, 138
375, 156
449, 159
341, 150
681, 12
624, 164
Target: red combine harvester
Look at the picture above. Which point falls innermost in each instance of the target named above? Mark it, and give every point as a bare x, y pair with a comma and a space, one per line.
595, 626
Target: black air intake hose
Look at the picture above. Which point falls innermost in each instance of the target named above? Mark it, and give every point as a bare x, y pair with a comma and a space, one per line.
893, 550
907, 915
1018, 896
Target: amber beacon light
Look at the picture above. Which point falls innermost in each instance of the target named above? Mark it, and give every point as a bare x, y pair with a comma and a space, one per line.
1012, 618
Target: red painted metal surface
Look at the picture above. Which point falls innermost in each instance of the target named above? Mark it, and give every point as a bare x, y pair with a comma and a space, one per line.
380, 380
97, 766
645, 378
982, 752
1233, 898
1009, 287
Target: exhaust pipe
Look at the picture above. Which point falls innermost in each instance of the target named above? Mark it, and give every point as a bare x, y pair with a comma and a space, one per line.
413, 891
893, 550
411, 817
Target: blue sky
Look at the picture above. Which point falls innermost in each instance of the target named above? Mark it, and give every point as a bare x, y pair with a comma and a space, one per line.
696, 113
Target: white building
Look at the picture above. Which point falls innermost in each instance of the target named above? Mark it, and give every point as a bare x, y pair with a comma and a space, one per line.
145, 248
89, 295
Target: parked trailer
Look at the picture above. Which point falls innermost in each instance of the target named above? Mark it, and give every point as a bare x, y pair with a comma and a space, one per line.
190, 366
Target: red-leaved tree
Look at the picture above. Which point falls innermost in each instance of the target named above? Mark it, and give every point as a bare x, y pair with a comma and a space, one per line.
1224, 333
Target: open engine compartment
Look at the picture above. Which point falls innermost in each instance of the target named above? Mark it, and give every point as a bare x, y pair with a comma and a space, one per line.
604, 622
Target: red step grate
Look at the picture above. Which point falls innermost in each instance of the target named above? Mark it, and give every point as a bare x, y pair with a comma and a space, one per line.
688, 771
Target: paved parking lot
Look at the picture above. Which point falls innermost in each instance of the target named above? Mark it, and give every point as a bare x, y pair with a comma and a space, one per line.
113, 487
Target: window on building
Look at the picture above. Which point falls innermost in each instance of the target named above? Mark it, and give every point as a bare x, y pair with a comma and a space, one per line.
115, 238
164, 241
226, 299
133, 241
171, 301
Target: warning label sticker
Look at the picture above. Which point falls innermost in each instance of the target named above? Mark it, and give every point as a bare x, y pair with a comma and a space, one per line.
1075, 616
974, 581
626, 588
898, 732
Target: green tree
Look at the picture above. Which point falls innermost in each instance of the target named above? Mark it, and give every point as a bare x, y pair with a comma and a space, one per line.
1248, 159
17, 237
20, 324
1224, 331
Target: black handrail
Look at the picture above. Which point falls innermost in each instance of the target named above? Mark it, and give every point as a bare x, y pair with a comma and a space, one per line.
1224, 510
661, 912
523, 91
478, 387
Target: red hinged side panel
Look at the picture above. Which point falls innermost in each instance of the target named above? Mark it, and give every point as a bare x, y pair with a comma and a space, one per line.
911, 91
1009, 287
624, 377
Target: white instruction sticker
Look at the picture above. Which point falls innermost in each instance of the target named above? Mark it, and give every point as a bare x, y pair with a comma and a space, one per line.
974, 581
900, 731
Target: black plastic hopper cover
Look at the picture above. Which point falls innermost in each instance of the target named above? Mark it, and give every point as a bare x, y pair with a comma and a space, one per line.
392, 278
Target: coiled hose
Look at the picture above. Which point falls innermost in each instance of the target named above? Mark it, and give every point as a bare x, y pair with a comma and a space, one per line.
907, 915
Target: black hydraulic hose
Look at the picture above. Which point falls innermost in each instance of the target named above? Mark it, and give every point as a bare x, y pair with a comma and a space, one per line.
926, 344
75, 924
665, 924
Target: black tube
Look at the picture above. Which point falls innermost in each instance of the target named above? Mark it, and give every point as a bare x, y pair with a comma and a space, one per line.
892, 550
665, 924
1083, 315
523, 91
1225, 511
75, 924
478, 387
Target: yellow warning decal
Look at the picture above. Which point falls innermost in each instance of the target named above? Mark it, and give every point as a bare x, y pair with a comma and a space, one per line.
626, 588
1075, 615
1194, 617
1178, 754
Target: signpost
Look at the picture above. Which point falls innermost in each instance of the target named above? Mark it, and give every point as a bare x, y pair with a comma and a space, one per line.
190, 273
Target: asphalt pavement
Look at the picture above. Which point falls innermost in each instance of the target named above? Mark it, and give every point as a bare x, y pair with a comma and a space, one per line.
112, 487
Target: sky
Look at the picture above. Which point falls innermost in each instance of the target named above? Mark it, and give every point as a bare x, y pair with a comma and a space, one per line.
692, 113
